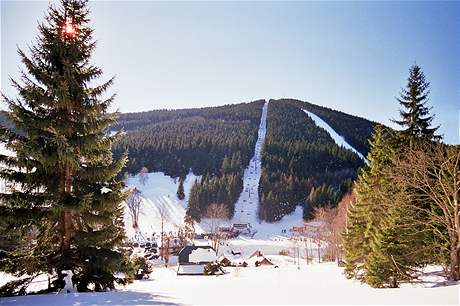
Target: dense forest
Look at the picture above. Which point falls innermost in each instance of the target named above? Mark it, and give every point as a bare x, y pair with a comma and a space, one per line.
216, 143
230, 112
183, 140
301, 163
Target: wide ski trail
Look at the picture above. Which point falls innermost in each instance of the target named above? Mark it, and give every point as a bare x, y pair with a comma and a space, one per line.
248, 202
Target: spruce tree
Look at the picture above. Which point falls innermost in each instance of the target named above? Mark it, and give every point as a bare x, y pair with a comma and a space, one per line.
180, 189
63, 198
392, 254
193, 209
365, 214
415, 114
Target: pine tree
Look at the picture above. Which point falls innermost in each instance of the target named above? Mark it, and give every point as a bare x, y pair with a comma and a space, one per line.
415, 115
394, 248
365, 214
193, 209
180, 189
64, 199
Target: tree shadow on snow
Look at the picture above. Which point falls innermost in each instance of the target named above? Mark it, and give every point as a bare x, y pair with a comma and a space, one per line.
129, 298
441, 282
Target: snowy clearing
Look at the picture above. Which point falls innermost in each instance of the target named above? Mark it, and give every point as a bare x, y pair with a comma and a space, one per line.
158, 196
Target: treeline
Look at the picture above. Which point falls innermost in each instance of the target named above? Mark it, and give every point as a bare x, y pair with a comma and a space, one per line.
199, 143
356, 130
301, 164
406, 211
230, 112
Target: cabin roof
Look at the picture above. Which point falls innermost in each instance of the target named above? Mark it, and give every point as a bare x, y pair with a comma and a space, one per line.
184, 254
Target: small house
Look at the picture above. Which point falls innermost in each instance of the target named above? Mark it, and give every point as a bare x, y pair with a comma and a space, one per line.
258, 259
224, 261
193, 259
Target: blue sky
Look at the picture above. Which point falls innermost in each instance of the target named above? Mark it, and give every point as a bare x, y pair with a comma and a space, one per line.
350, 56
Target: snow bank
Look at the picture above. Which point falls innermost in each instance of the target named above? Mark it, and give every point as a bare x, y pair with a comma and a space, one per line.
334, 135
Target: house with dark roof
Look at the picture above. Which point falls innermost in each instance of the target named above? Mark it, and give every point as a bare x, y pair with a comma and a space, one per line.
193, 259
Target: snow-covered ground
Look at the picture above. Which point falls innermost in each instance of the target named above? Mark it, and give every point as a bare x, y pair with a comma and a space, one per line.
287, 284
158, 196
290, 282
334, 135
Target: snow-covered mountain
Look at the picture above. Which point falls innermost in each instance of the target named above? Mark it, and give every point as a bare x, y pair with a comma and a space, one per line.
159, 194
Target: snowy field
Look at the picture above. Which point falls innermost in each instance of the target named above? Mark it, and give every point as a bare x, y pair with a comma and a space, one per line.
311, 284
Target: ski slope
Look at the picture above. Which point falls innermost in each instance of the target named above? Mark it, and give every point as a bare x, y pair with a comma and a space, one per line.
339, 140
158, 201
248, 201
158, 195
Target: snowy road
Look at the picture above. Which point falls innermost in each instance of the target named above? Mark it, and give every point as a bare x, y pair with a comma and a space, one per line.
248, 202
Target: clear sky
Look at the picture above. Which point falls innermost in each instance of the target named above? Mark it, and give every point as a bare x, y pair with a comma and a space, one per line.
350, 56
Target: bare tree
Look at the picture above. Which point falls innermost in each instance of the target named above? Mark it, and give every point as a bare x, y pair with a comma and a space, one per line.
216, 213
433, 175
339, 223
189, 227
143, 175
134, 203
164, 250
331, 226
323, 229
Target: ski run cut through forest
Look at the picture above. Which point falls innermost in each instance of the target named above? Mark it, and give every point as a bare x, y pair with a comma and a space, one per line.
294, 275
269, 201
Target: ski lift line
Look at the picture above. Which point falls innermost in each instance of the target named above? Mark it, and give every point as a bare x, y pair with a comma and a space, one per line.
250, 176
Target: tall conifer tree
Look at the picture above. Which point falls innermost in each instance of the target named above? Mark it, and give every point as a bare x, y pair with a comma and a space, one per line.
415, 114
365, 214
180, 189
63, 200
395, 249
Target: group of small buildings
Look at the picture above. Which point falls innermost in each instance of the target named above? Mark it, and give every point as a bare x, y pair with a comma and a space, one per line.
229, 232
193, 260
